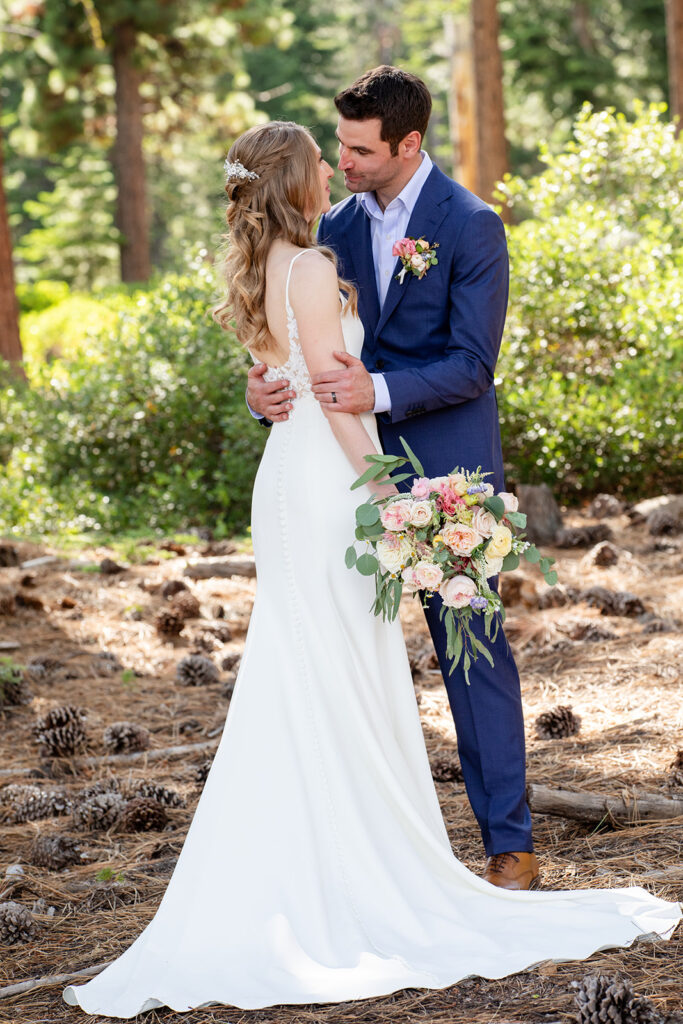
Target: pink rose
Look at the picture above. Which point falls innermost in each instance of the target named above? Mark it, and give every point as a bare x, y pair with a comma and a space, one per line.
484, 522
457, 591
410, 583
461, 539
421, 513
509, 500
427, 575
422, 487
396, 515
404, 247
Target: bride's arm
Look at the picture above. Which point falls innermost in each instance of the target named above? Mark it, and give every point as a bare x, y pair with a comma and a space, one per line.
314, 296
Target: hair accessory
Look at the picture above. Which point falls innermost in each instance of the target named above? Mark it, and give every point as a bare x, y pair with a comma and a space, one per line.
235, 171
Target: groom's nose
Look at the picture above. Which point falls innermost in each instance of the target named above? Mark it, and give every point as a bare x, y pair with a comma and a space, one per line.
344, 160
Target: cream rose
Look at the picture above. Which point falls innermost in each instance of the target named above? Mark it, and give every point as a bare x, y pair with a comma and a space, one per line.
418, 262
427, 575
458, 483
396, 515
500, 544
457, 592
421, 513
461, 539
484, 522
509, 500
493, 566
393, 552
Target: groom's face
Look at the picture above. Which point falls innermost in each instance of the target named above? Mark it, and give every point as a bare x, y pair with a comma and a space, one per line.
364, 157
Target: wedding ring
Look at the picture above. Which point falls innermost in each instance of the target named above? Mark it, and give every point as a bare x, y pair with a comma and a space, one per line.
334, 396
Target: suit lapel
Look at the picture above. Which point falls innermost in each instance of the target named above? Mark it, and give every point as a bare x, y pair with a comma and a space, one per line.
424, 222
359, 245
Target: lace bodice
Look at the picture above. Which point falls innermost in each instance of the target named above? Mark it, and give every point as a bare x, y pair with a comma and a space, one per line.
295, 369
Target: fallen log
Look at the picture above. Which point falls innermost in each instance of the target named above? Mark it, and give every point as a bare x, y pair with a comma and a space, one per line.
232, 567
50, 979
629, 808
164, 753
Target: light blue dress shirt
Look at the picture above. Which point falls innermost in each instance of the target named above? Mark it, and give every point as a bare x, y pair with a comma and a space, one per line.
386, 228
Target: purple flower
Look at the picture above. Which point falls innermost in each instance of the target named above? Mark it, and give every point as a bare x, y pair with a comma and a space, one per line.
478, 603
476, 489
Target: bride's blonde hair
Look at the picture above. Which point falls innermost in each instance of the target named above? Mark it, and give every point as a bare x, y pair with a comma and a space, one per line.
279, 203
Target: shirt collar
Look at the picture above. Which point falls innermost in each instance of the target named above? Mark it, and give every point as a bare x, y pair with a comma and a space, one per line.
407, 196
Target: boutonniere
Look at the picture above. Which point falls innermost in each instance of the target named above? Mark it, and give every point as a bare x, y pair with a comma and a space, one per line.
417, 255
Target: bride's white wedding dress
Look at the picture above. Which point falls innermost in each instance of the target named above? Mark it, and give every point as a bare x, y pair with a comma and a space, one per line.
317, 867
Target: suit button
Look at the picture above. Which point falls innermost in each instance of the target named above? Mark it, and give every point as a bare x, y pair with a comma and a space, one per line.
380, 364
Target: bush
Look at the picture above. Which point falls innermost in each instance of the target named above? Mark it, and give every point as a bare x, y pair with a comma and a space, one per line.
590, 394
145, 426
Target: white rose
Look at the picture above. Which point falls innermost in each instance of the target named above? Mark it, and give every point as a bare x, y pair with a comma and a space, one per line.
488, 490
421, 513
493, 566
418, 262
509, 500
393, 552
484, 522
457, 591
428, 575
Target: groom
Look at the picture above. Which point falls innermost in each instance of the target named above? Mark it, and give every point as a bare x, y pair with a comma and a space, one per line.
427, 371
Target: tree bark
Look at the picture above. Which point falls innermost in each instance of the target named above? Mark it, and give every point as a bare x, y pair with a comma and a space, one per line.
463, 129
129, 165
491, 151
674, 42
626, 809
10, 342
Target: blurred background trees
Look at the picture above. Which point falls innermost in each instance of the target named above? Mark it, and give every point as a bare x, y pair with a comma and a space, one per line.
116, 116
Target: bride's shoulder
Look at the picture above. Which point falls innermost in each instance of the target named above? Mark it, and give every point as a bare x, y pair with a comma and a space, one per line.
312, 272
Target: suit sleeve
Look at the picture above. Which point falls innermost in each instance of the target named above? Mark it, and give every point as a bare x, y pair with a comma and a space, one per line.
478, 294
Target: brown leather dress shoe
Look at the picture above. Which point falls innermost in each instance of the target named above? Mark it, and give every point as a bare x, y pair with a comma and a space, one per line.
513, 871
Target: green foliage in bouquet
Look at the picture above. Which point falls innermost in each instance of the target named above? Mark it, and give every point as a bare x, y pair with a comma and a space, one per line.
448, 536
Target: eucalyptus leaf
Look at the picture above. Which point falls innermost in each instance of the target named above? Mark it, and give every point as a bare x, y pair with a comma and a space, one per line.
551, 578
483, 649
367, 565
532, 554
417, 465
350, 557
495, 505
367, 515
511, 561
517, 518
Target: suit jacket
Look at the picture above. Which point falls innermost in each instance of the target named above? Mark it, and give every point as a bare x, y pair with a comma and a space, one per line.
437, 339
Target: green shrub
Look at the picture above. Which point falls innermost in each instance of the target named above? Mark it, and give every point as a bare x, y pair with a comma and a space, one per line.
590, 388
144, 426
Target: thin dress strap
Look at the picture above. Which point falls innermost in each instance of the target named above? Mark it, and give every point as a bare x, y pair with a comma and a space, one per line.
290, 311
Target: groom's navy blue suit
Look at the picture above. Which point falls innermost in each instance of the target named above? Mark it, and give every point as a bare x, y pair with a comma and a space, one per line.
436, 340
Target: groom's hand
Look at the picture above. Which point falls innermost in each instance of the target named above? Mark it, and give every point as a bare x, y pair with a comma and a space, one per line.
271, 399
352, 386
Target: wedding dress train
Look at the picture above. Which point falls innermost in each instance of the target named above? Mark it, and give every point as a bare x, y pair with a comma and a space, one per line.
317, 867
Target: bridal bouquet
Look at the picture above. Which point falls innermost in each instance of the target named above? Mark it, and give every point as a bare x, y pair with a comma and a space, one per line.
449, 535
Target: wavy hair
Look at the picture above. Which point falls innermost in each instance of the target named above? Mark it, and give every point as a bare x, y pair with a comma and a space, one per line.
277, 204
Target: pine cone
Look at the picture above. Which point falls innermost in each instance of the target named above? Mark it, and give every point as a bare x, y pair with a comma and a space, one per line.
155, 791
99, 812
586, 630
124, 737
676, 771
582, 536
30, 803
8, 555
557, 723
201, 772
143, 815
16, 924
196, 670
60, 732
55, 851
168, 623
603, 554
108, 567
558, 596
105, 663
13, 689
172, 587
110, 785
446, 769
185, 604
602, 999
604, 506
8, 604
228, 687
43, 667
611, 602
664, 521
231, 662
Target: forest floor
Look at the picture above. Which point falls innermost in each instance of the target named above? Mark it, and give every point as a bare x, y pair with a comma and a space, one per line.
620, 673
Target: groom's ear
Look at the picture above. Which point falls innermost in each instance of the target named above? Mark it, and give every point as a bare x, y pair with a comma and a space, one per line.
410, 145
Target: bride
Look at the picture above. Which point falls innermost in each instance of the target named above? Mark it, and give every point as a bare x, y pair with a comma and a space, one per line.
317, 867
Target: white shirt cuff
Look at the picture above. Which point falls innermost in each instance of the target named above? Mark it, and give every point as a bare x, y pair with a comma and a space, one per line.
382, 396
256, 415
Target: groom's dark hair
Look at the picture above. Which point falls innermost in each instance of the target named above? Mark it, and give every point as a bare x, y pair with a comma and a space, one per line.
401, 101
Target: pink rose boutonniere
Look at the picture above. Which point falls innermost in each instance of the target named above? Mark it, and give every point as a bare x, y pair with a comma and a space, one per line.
416, 254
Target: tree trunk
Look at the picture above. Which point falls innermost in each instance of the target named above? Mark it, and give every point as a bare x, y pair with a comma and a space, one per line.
462, 110
129, 166
10, 342
492, 158
674, 42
